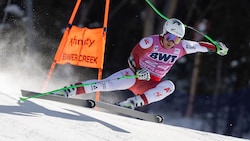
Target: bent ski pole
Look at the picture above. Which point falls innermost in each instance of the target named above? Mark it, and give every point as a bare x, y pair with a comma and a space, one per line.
22, 99
166, 18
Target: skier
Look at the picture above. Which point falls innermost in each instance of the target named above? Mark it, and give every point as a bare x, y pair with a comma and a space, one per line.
150, 60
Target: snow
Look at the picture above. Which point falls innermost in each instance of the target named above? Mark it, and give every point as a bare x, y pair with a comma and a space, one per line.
14, 9
41, 120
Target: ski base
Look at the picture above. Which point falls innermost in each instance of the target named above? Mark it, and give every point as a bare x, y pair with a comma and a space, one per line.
114, 109
78, 102
129, 112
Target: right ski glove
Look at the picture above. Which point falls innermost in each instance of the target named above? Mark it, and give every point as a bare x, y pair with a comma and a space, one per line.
143, 74
132, 102
223, 49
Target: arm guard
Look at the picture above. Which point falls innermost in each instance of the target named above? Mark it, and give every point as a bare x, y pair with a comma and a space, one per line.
209, 46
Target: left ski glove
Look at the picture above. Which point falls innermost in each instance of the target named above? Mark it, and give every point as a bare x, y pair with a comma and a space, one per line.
143, 74
133, 102
223, 49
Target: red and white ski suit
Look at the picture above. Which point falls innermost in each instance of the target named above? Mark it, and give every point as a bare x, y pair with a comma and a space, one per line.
148, 54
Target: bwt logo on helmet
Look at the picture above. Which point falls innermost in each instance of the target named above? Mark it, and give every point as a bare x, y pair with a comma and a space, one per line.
176, 22
174, 29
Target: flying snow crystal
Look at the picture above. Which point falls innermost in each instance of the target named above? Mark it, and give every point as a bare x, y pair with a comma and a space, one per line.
15, 10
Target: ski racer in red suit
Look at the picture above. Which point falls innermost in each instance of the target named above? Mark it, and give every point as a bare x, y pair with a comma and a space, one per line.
150, 60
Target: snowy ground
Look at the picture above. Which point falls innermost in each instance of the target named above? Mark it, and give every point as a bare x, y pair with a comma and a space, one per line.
42, 120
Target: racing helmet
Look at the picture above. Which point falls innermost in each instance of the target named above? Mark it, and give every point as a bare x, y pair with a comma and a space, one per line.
174, 26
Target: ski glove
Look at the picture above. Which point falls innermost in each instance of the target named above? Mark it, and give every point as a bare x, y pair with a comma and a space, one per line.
223, 49
132, 103
143, 74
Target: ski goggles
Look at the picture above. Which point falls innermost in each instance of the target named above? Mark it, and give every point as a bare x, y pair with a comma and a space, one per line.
174, 38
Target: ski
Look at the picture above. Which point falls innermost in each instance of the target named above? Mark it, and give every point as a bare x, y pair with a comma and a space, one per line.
111, 108
129, 112
78, 102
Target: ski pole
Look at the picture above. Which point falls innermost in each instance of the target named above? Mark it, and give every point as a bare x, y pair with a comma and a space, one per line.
166, 18
22, 99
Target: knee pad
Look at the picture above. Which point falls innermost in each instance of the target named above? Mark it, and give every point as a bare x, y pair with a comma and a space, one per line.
162, 90
167, 85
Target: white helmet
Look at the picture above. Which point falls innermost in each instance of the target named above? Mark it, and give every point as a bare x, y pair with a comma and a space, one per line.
174, 26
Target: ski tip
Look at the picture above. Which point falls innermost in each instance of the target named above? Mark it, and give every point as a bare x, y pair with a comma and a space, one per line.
22, 99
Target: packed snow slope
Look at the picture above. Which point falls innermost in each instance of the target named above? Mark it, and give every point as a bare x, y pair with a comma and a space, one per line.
42, 120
